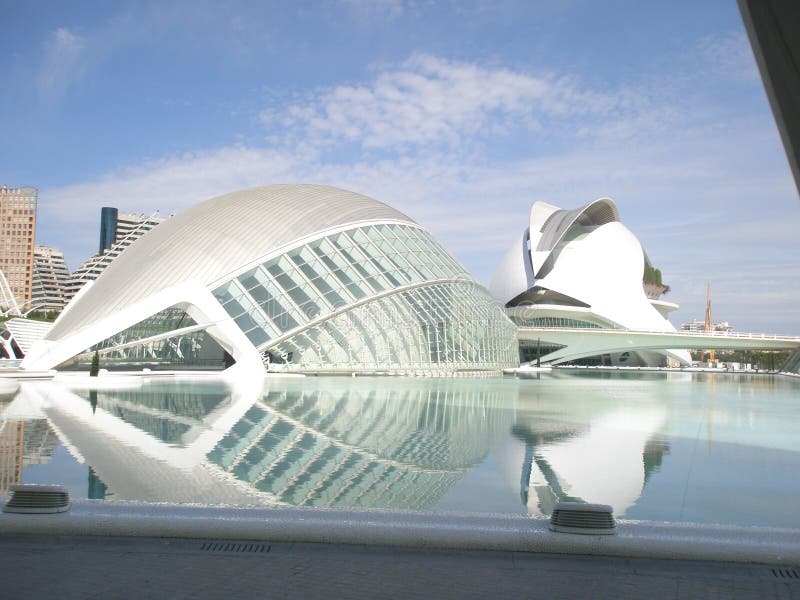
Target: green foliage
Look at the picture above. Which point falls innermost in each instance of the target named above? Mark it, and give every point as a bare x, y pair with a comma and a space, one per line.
652, 275
95, 368
760, 359
47, 316
37, 315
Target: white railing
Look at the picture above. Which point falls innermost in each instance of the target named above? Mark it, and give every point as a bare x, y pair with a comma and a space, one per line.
720, 334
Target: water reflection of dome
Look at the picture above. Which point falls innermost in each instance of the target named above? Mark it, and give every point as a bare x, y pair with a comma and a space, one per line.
352, 447
341, 443
607, 458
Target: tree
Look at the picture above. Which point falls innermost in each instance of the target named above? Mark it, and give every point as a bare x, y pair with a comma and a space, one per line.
95, 368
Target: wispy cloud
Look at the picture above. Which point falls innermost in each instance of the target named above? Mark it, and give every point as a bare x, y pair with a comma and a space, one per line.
429, 136
431, 101
63, 62
728, 55
369, 11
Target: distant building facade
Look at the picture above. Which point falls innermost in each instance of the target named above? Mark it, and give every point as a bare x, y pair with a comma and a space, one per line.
121, 230
699, 326
108, 228
50, 279
17, 235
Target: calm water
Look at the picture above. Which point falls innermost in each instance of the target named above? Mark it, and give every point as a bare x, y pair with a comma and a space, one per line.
670, 447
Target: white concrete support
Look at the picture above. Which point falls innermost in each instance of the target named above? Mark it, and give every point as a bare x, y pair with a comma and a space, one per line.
199, 303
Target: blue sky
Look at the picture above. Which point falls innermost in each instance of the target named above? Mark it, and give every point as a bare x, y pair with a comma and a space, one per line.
460, 114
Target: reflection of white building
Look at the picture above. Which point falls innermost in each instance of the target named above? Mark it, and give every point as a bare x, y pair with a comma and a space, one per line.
303, 277
605, 457
581, 268
301, 442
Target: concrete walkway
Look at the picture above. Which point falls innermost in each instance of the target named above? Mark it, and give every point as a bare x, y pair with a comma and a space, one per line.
37, 566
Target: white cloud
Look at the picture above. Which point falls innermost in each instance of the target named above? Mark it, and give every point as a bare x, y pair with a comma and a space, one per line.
369, 11
64, 61
429, 100
728, 55
689, 193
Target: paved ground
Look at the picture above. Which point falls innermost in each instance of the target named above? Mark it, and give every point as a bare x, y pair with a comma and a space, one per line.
100, 567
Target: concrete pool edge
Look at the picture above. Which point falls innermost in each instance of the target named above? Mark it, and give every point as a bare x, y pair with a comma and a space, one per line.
514, 533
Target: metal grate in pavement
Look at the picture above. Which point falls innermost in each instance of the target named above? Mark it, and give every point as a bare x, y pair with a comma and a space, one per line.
786, 573
235, 547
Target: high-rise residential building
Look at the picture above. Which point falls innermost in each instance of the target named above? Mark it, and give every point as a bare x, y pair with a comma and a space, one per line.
126, 229
17, 235
50, 279
108, 228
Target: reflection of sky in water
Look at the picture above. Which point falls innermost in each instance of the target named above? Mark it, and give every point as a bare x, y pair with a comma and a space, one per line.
675, 447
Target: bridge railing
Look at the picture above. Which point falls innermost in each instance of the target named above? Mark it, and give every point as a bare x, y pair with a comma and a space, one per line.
720, 334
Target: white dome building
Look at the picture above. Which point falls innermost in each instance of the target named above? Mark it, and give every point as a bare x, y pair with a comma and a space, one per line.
581, 268
295, 277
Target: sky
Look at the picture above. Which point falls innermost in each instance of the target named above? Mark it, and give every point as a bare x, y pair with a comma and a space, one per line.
460, 114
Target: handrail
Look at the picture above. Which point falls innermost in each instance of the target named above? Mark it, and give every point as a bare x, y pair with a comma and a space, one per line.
720, 334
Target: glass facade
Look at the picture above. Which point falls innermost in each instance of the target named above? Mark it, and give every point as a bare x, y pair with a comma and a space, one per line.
162, 322
442, 327
378, 297
187, 349
554, 322
108, 227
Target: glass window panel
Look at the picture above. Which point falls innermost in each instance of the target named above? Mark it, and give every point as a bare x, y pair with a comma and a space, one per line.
249, 280
345, 275
360, 237
387, 231
373, 234
282, 278
284, 321
343, 241
366, 270
234, 308
223, 293
261, 295
325, 285
302, 294
386, 248
258, 336
279, 311
307, 255
414, 259
245, 322
296, 258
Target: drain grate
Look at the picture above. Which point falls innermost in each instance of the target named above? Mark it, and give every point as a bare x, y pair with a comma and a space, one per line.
589, 519
241, 547
34, 499
786, 573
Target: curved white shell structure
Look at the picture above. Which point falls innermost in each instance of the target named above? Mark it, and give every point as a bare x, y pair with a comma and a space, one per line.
301, 277
580, 268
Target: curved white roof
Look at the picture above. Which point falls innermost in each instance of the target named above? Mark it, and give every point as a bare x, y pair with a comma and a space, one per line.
549, 225
558, 223
216, 237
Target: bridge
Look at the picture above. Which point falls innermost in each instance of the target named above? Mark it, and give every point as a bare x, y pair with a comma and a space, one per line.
593, 341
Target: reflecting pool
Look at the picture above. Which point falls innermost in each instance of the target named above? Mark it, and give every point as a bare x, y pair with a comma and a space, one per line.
691, 447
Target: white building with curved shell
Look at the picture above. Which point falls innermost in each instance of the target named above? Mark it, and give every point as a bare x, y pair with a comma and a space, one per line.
301, 278
581, 268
